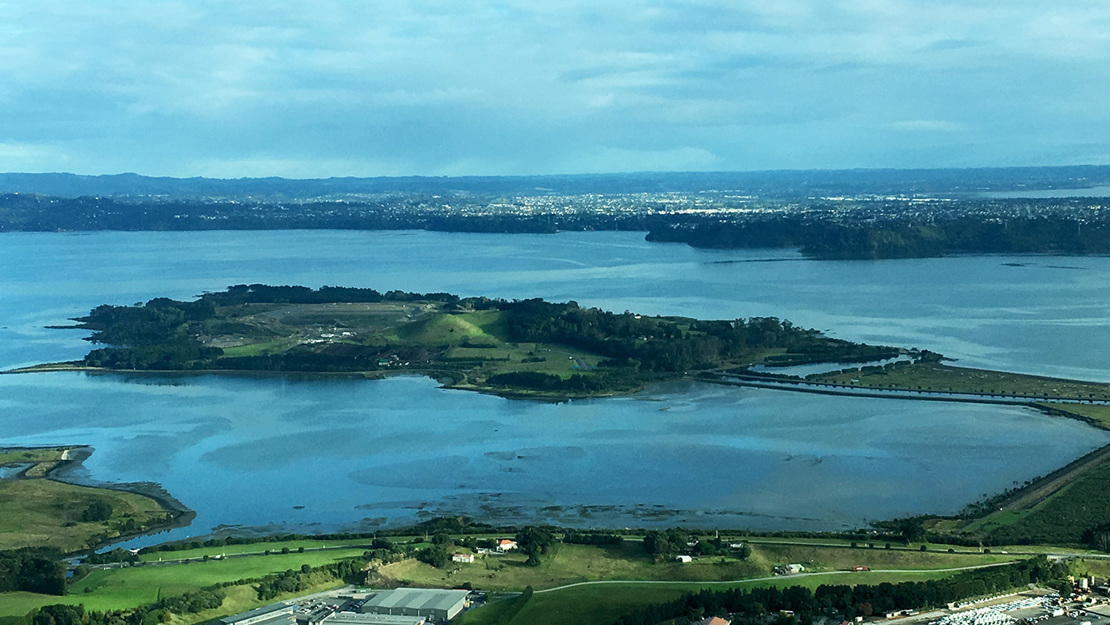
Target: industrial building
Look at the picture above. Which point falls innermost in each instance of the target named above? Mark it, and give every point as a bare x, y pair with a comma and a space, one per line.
274, 611
354, 618
438, 605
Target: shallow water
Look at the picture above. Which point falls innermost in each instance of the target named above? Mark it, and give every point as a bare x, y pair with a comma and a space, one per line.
356, 453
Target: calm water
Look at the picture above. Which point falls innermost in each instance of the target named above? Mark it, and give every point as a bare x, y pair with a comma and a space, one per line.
1103, 191
246, 451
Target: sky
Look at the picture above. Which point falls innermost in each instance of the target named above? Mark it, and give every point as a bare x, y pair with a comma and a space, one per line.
301, 89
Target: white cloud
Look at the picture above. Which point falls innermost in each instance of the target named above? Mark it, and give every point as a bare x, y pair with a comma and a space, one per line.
426, 86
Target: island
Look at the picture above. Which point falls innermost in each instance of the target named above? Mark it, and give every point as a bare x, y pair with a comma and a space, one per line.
521, 348
1040, 531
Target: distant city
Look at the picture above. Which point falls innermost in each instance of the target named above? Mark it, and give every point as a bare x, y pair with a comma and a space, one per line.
825, 214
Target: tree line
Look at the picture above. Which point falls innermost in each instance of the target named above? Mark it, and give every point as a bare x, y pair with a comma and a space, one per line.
898, 237
32, 569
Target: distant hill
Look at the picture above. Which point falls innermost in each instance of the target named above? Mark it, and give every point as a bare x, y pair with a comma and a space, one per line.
767, 184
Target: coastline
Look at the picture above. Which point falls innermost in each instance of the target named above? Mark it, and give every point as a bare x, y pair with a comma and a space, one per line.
448, 379
64, 471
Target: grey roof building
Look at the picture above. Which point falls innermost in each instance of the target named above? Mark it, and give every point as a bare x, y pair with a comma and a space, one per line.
439, 605
265, 613
354, 618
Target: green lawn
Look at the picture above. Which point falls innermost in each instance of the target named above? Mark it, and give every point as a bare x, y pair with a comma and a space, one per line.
110, 589
273, 547
254, 349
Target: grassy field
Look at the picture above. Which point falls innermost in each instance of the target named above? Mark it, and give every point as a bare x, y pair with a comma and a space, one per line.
569, 564
1061, 518
939, 377
47, 513
565, 565
236, 599
254, 548
831, 559
603, 603
46, 454
110, 589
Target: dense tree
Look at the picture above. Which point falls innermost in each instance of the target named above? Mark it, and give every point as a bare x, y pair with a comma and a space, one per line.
97, 511
32, 569
535, 541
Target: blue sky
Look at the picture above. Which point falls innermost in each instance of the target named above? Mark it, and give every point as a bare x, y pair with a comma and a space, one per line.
366, 88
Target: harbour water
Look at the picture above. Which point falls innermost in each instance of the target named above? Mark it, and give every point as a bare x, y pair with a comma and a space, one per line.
316, 454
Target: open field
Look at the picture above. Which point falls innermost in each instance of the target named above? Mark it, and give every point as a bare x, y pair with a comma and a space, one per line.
109, 589
565, 565
940, 377
255, 548
831, 559
42, 512
569, 564
236, 599
600, 604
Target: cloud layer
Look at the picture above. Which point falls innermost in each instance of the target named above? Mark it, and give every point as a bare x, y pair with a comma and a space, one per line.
335, 88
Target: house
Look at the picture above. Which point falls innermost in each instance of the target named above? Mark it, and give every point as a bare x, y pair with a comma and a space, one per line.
468, 558
684, 559
714, 620
504, 544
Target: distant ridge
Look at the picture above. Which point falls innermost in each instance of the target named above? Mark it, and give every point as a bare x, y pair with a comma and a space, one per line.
768, 184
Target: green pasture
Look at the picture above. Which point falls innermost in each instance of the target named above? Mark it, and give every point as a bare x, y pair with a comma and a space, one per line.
113, 589
42, 512
255, 548
568, 564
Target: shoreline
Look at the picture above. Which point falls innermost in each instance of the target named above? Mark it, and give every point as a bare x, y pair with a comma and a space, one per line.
73, 460
182, 516
447, 378
1036, 402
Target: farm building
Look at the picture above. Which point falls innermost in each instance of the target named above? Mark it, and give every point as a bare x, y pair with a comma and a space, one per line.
684, 559
505, 544
439, 605
467, 558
